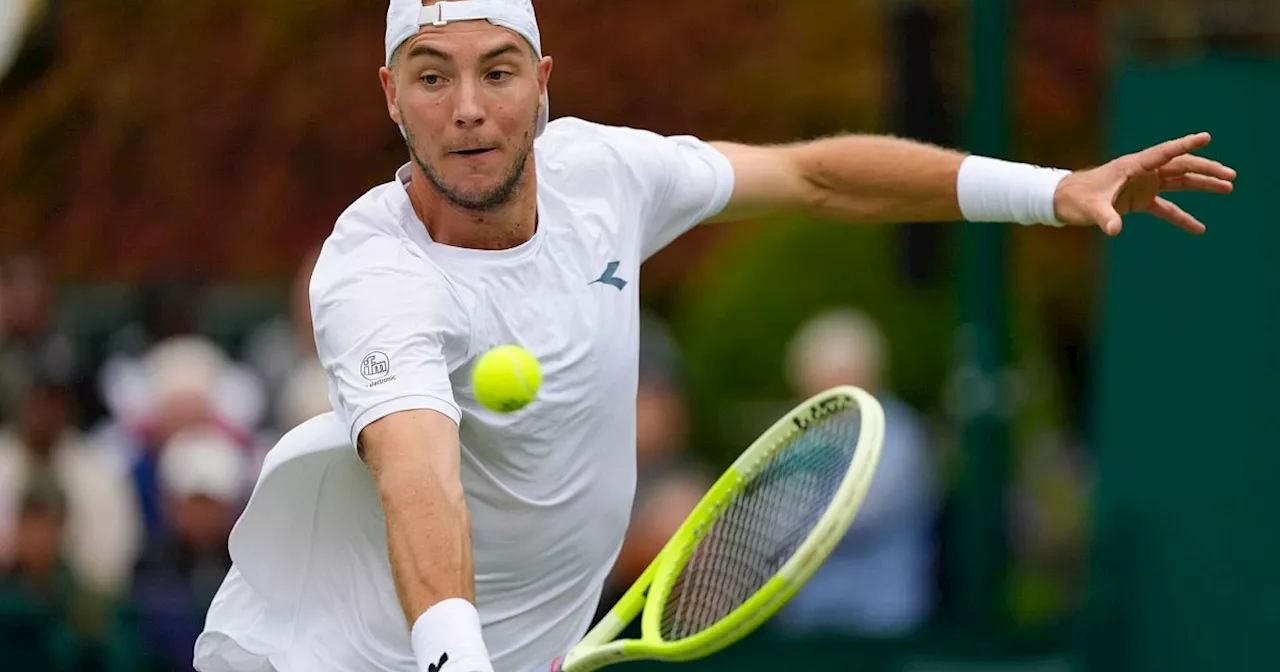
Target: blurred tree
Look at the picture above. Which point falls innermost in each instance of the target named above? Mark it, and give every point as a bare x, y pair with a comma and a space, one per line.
224, 138
743, 306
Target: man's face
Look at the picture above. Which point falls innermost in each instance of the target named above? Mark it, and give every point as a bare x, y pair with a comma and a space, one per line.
44, 417
37, 538
661, 422
468, 95
202, 522
27, 299
186, 409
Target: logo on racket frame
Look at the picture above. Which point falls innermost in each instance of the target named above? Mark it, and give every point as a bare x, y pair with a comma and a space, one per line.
821, 411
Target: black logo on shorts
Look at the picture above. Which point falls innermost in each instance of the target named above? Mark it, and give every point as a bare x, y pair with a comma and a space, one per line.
436, 667
375, 366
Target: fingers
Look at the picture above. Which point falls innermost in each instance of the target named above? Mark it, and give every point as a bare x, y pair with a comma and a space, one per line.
1155, 157
1197, 164
1195, 182
1176, 216
1109, 221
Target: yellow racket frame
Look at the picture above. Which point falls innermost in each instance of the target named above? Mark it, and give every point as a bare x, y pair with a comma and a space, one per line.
648, 595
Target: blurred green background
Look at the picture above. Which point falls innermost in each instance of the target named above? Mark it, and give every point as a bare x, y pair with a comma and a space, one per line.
1100, 413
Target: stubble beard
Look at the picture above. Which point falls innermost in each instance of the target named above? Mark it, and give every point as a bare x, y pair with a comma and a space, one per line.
485, 201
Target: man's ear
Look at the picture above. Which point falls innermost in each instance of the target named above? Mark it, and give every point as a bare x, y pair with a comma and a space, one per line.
544, 73
387, 77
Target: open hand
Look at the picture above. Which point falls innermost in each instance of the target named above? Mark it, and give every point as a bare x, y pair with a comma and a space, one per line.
1134, 183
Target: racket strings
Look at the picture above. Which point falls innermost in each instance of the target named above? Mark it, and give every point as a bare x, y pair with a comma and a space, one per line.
761, 529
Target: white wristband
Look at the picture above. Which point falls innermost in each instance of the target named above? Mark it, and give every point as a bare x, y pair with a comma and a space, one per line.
446, 638
991, 190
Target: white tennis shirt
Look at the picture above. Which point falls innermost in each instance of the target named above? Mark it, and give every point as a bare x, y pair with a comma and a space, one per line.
399, 322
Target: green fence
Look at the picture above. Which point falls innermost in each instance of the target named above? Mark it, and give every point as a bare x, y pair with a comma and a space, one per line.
1188, 392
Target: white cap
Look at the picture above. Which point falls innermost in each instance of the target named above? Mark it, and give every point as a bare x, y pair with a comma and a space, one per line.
135, 390
406, 17
203, 462
184, 365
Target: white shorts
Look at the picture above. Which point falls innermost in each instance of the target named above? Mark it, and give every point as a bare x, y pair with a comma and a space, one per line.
311, 589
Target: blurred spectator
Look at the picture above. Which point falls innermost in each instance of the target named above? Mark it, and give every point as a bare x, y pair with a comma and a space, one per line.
668, 482
167, 307
279, 348
879, 579
283, 353
163, 307
305, 395
48, 620
202, 482
103, 524
28, 332
181, 383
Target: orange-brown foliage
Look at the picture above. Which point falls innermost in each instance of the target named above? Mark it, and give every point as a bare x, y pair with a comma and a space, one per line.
225, 137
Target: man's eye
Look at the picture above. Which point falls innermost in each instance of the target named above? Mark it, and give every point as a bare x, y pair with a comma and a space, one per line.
431, 80
499, 75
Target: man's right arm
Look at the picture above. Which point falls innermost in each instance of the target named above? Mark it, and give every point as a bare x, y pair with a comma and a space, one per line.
387, 331
414, 459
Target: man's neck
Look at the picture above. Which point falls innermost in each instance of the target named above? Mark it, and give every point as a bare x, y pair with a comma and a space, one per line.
40, 449
503, 228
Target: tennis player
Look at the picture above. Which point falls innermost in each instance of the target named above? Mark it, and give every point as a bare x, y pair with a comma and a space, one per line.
411, 529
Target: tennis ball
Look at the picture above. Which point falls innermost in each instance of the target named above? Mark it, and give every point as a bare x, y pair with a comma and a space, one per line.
506, 378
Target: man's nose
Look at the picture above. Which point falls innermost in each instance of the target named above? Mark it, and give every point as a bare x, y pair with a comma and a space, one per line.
469, 110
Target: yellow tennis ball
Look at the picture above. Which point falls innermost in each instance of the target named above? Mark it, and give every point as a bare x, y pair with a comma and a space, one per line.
506, 378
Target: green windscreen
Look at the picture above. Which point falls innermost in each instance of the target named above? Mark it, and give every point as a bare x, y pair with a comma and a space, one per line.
1186, 574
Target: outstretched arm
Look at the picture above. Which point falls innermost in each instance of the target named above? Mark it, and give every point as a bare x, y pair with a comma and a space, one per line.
414, 459
870, 178
385, 333
862, 178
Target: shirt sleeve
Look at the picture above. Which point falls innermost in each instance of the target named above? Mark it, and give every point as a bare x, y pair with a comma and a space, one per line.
677, 182
385, 336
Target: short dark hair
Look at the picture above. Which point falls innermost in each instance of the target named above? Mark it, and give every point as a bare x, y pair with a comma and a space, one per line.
394, 63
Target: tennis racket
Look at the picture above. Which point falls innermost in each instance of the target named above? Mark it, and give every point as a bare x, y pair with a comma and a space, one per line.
752, 541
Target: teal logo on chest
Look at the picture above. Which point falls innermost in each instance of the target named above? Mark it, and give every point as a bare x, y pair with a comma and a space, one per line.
609, 277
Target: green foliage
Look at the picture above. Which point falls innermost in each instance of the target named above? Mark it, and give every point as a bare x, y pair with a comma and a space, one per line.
741, 309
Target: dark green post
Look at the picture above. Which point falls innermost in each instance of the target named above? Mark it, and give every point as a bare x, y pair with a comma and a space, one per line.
978, 545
